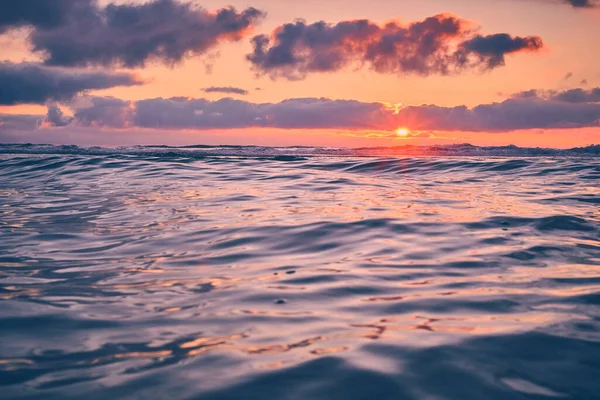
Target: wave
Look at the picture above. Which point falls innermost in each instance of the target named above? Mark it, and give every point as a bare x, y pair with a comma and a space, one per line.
227, 272
200, 151
159, 161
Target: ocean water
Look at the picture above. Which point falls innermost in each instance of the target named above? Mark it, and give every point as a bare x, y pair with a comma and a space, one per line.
299, 273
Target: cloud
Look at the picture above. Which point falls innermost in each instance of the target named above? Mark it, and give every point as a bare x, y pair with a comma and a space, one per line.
83, 33
510, 115
183, 113
45, 14
56, 117
225, 89
103, 112
442, 44
31, 83
312, 113
526, 94
491, 49
18, 122
581, 3
577, 95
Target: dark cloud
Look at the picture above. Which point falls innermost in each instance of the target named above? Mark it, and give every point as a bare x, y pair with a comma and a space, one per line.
45, 14
526, 94
312, 113
225, 89
568, 76
31, 83
56, 117
491, 49
441, 44
83, 33
577, 95
581, 3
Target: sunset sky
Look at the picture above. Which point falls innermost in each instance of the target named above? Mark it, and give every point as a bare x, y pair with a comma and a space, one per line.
276, 72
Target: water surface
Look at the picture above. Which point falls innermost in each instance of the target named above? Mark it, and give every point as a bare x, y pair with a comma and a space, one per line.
136, 274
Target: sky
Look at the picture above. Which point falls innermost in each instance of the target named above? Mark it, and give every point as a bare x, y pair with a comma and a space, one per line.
275, 72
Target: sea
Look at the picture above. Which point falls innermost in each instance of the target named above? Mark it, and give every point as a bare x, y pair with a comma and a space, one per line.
241, 272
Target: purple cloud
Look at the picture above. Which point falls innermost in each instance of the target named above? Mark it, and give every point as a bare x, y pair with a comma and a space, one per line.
510, 115
225, 89
313, 113
103, 112
581, 3
490, 50
82, 32
442, 44
45, 14
56, 117
577, 95
32, 83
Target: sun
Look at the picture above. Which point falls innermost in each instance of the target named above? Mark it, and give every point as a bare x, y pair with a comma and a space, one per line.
402, 132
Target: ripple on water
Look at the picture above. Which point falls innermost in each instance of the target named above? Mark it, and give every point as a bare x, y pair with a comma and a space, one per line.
298, 277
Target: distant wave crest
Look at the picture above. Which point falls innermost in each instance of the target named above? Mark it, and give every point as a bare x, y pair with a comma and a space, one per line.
200, 151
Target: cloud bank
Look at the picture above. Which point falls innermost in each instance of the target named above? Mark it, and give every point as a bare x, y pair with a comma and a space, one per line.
509, 115
577, 95
314, 113
442, 44
84, 33
31, 83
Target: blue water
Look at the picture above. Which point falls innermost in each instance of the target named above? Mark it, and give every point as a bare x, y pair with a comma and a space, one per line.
298, 273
